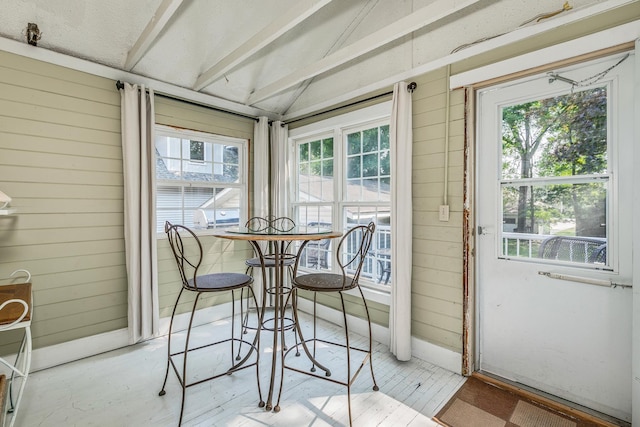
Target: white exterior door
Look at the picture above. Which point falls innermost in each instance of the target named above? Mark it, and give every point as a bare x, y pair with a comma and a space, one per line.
554, 209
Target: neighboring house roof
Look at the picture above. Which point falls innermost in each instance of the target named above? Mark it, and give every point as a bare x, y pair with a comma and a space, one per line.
163, 173
312, 188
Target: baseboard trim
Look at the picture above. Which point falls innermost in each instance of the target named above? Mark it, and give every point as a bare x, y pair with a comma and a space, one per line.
58, 354
202, 317
423, 350
70, 351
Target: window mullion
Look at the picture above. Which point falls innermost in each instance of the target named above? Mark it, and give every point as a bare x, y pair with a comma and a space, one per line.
198, 192
357, 153
339, 160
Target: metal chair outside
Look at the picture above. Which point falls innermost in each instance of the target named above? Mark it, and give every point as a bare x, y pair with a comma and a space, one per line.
574, 249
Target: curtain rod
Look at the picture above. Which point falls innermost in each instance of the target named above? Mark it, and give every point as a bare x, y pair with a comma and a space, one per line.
410, 87
120, 85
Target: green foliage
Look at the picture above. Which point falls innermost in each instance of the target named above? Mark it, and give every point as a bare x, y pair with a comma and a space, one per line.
316, 158
578, 145
368, 159
366, 155
559, 136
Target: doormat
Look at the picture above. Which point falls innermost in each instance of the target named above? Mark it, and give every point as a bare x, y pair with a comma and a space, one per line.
484, 402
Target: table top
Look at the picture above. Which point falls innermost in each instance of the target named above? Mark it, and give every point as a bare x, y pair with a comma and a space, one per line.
297, 233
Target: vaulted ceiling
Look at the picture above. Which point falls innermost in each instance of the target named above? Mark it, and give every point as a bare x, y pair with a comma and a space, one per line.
282, 58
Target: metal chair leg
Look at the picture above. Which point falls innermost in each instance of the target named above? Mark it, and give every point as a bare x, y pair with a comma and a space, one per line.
315, 316
366, 309
348, 348
183, 380
303, 342
166, 374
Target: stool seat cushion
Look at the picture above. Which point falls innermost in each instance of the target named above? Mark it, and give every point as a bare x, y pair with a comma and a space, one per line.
219, 282
324, 282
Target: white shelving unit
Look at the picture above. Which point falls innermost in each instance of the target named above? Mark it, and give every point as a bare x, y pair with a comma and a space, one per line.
15, 313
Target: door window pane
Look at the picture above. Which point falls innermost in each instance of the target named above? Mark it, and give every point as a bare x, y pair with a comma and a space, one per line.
562, 222
555, 178
558, 136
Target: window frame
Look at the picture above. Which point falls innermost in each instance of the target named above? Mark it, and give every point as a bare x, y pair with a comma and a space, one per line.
338, 127
523, 94
206, 137
611, 179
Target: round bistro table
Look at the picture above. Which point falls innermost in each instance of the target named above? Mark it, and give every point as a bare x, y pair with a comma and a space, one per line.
280, 240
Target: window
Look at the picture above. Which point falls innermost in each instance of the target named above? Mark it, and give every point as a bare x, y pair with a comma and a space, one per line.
196, 153
556, 177
553, 165
343, 179
200, 179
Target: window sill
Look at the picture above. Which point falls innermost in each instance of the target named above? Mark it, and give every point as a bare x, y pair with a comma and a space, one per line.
374, 295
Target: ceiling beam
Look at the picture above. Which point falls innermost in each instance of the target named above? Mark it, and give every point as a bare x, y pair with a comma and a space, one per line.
590, 43
339, 43
154, 27
292, 17
434, 12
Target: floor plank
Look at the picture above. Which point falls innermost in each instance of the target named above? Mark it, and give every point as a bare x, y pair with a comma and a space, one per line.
120, 388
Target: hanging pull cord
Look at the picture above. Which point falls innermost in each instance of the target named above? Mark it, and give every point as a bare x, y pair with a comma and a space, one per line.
589, 80
536, 18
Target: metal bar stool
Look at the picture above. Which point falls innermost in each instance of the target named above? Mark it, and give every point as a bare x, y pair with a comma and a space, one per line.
264, 259
188, 260
351, 254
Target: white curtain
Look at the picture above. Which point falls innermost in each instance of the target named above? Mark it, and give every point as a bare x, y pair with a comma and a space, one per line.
401, 138
279, 169
260, 183
261, 167
138, 157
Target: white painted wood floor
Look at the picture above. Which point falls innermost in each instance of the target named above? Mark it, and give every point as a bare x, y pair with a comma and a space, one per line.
120, 388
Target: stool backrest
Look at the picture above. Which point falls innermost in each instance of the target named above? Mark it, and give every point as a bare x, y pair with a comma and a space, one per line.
351, 258
188, 261
270, 223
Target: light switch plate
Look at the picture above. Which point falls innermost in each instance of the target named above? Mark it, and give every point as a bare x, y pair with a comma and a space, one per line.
443, 212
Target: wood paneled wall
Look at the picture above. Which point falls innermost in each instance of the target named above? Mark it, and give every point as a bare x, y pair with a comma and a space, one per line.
220, 254
61, 162
437, 245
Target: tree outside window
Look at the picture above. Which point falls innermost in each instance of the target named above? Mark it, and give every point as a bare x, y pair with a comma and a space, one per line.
555, 166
